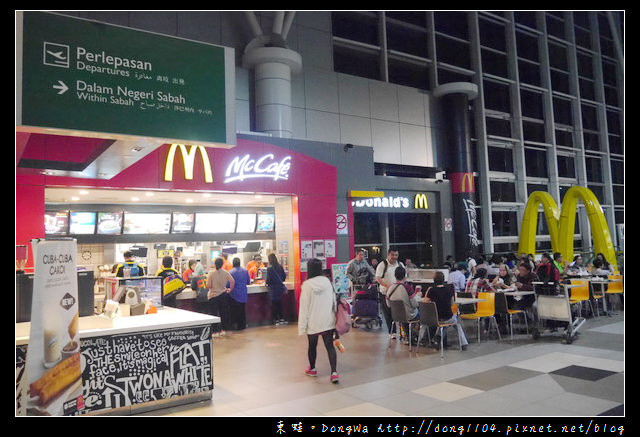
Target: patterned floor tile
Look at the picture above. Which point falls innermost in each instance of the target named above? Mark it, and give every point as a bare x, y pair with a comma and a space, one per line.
447, 391
495, 378
581, 372
363, 409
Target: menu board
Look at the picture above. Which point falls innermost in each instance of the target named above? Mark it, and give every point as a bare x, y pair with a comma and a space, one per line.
146, 223
213, 223
246, 223
182, 223
266, 223
56, 223
82, 223
109, 223
128, 369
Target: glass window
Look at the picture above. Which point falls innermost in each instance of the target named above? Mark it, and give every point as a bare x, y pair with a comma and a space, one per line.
611, 96
504, 223
496, 96
367, 228
583, 38
501, 159
492, 35
498, 127
591, 141
527, 46
411, 17
558, 57
356, 62
533, 131
566, 166
618, 194
529, 72
356, 26
589, 117
613, 122
407, 40
564, 138
494, 63
598, 190
531, 104
587, 90
555, 26
562, 111
615, 144
560, 81
536, 187
609, 75
526, 18
585, 65
409, 228
447, 76
535, 162
452, 52
408, 73
452, 23
594, 169
502, 191
581, 18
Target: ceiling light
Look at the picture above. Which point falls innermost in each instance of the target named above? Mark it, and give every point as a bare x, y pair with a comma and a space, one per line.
84, 192
136, 149
148, 194
188, 200
75, 198
206, 195
134, 199
258, 196
236, 202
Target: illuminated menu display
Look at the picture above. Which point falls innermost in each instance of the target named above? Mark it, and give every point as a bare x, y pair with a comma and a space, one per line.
82, 223
109, 223
146, 223
215, 223
266, 223
56, 223
246, 223
182, 223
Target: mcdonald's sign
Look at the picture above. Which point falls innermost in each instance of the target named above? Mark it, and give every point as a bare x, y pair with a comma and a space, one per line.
188, 161
561, 223
462, 183
420, 201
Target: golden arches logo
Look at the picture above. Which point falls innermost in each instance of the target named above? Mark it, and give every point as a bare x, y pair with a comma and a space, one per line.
420, 201
561, 223
188, 161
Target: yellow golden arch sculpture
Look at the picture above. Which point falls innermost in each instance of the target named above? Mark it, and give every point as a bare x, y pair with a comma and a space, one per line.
561, 223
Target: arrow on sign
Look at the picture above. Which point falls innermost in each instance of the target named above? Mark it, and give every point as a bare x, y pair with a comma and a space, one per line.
61, 86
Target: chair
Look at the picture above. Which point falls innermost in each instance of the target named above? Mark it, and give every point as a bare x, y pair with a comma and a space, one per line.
502, 307
466, 309
580, 294
398, 316
616, 287
484, 309
429, 319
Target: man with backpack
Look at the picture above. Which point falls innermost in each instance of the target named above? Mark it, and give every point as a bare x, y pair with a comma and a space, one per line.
136, 269
385, 277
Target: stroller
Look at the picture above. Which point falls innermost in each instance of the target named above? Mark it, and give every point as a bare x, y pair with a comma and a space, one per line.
365, 306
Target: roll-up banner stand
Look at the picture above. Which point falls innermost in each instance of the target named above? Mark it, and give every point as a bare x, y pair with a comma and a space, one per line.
53, 364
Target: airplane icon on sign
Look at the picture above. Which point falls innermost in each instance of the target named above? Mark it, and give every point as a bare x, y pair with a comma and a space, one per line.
56, 55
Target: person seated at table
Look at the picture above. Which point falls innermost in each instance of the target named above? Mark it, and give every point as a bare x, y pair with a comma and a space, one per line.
404, 292
479, 283
524, 282
442, 295
605, 263
457, 277
560, 264
576, 268
599, 269
547, 271
505, 279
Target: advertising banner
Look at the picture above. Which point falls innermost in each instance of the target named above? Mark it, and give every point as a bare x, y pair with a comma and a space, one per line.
54, 384
128, 369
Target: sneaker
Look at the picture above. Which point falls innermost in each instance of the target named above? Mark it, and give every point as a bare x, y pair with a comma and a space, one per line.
311, 372
335, 378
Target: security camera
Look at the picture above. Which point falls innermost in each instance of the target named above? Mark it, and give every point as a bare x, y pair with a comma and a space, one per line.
440, 177
347, 147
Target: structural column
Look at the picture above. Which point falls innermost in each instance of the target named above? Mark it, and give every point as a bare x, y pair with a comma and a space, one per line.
273, 69
454, 98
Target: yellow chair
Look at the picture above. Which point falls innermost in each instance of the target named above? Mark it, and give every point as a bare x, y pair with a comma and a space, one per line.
580, 294
502, 307
616, 287
484, 309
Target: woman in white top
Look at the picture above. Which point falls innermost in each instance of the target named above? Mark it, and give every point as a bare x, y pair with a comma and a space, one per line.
317, 316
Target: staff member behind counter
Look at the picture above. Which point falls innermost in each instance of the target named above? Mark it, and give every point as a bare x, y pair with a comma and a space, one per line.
167, 270
136, 269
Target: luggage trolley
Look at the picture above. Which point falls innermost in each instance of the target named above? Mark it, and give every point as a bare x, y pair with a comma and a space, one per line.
555, 305
365, 306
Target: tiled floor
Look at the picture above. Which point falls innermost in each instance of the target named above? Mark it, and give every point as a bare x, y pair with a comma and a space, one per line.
260, 372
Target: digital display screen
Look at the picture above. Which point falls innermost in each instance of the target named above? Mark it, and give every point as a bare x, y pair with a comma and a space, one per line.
110, 223
266, 223
56, 223
146, 223
82, 223
182, 223
213, 223
246, 223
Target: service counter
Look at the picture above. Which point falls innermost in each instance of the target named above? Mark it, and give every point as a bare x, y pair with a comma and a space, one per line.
137, 363
257, 308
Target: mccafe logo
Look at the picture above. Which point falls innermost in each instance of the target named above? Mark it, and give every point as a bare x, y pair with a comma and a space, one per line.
266, 166
240, 168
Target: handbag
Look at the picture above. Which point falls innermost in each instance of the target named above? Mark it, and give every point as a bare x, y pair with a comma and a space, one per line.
343, 317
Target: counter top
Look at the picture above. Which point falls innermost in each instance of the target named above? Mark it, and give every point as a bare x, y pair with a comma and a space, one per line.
93, 326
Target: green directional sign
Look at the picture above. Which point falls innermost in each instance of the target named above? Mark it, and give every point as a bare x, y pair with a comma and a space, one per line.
90, 76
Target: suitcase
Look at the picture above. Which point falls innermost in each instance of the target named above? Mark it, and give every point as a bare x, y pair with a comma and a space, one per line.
368, 292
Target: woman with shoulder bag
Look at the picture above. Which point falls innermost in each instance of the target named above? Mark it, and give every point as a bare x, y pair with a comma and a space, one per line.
199, 285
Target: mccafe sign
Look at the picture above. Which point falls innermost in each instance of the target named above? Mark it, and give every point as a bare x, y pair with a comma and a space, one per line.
240, 168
